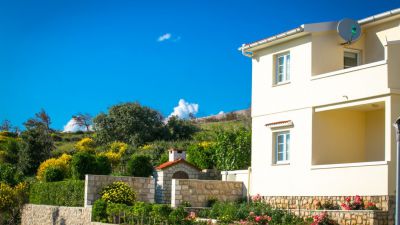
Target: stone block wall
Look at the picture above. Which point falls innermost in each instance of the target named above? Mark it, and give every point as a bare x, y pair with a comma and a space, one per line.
197, 192
52, 215
305, 206
164, 180
349, 217
383, 202
144, 187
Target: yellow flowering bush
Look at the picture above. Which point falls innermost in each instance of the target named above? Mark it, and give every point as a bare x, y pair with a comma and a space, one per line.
62, 163
118, 192
6, 196
116, 151
146, 147
86, 145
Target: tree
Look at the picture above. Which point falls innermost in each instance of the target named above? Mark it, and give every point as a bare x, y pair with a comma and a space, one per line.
140, 166
202, 155
179, 129
233, 149
83, 120
5, 125
38, 142
130, 123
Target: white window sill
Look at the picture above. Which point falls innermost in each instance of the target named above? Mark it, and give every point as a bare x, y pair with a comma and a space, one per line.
283, 163
346, 165
281, 83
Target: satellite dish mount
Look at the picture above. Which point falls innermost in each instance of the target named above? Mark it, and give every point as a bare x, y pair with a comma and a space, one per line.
349, 30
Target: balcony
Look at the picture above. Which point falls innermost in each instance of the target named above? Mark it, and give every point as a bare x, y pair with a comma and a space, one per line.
350, 84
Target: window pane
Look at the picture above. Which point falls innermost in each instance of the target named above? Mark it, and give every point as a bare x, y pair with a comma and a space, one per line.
280, 157
281, 139
350, 59
287, 146
288, 67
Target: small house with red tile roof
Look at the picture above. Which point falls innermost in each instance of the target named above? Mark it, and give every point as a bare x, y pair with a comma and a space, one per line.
176, 168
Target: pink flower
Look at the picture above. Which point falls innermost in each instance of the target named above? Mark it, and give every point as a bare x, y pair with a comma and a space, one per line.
258, 218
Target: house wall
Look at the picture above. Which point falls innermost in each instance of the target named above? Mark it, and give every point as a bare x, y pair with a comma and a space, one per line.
307, 91
338, 137
375, 135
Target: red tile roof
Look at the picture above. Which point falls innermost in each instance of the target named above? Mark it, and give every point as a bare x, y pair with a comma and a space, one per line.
177, 161
286, 122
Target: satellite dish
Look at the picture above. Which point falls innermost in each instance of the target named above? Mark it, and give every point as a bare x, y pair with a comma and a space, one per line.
349, 30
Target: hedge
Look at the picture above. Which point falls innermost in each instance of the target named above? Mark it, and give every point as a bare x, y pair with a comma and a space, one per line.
62, 193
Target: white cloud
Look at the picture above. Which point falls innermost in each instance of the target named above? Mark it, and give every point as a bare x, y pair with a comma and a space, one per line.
164, 37
221, 113
185, 109
72, 126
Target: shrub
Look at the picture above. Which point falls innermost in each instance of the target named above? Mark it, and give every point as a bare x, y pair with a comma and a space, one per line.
322, 219
201, 155
11, 201
118, 192
83, 163
99, 211
86, 145
61, 164
355, 203
140, 166
142, 209
178, 216
160, 212
103, 165
52, 174
62, 193
9, 174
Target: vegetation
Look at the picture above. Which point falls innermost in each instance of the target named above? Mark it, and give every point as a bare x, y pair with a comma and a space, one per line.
11, 201
140, 166
118, 192
63, 193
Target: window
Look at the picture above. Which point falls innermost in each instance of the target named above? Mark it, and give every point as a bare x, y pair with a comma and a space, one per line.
351, 58
282, 147
282, 68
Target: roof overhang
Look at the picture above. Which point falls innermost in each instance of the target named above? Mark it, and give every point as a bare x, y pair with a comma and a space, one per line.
316, 27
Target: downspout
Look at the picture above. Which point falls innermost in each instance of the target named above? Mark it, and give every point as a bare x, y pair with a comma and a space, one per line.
397, 213
247, 54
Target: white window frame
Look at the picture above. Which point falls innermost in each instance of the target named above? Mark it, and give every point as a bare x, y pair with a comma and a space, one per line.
286, 146
286, 68
358, 52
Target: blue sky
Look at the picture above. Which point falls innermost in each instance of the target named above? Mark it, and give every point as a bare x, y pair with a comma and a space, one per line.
70, 56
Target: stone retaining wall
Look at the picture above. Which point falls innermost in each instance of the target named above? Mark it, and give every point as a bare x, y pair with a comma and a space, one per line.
309, 202
349, 217
197, 192
144, 187
52, 215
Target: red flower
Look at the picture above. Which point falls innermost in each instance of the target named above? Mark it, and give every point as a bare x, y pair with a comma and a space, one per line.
258, 218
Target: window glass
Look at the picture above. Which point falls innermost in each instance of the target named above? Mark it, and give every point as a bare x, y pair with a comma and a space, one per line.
282, 68
351, 59
282, 148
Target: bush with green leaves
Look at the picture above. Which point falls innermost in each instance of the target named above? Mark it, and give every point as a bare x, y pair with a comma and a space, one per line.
52, 174
140, 166
118, 192
202, 155
233, 149
83, 163
103, 165
99, 211
160, 212
62, 193
9, 174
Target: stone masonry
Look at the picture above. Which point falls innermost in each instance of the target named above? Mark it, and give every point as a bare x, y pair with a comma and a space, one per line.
198, 192
305, 206
143, 186
56, 215
52, 215
164, 180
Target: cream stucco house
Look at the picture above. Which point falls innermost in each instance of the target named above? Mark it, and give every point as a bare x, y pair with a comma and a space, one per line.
323, 110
